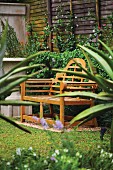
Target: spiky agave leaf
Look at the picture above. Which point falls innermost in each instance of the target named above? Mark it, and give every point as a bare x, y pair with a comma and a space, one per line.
90, 64
11, 85
17, 103
94, 111
10, 77
22, 63
14, 124
102, 54
86, 95
104, 63
107, 48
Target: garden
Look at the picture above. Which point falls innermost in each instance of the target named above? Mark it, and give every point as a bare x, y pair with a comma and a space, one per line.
58, 146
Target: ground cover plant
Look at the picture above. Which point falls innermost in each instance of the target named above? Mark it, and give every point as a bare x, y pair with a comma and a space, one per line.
43, 149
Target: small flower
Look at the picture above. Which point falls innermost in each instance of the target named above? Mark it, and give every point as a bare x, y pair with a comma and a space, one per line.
53, 158
102, 150
110, 57
80, 156
57, 152
54, 154
77, 154
98, 146
25, 166
102, 132
44, 123
58, 124
30, 148
69, 161
34, 154
65, 150
36, 118
18, 151
45, 162
8, 163
110, 155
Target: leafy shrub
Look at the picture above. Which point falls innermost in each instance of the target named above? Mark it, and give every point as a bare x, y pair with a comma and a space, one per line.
54, 60
14, 48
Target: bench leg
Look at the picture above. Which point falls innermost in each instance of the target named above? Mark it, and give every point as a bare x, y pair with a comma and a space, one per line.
94, 121
22, 112
41, 110
62, 110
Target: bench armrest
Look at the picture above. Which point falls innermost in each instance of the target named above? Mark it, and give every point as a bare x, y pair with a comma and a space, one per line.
78, 86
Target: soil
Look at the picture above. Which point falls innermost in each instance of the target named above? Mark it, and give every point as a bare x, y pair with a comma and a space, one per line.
29, 124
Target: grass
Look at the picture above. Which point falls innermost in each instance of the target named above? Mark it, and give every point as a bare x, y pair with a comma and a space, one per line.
44, 141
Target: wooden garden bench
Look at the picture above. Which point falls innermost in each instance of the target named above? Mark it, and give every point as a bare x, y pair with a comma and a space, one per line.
43, 91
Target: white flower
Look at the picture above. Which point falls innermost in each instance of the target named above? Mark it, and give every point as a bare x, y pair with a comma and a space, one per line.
98, 146
80, 156
102, 150
34, 154
93, 30
30, 148
25, 166
54, 154
18, 151
69, 161
57, 152
65, 150
110, 57
77, 154
8, 163
110, 155
75, 16
62, 157
45, 162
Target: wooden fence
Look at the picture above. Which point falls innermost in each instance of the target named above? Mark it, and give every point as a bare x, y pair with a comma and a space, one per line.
86, 15
16, 14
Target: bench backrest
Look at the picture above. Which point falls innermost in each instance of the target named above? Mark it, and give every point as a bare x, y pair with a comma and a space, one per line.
71, 66
52, 86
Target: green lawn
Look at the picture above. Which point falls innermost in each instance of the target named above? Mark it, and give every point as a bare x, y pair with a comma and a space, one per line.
44, 141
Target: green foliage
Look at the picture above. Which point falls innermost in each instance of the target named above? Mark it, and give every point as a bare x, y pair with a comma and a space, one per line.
32, 45
40, 148
11, 79
64, 31
53, 60
50, 150
14, 48
106, 85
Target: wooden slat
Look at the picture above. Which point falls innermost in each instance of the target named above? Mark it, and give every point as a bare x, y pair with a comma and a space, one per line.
54, 86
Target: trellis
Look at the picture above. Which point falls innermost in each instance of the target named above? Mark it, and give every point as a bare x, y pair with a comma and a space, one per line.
87, 14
